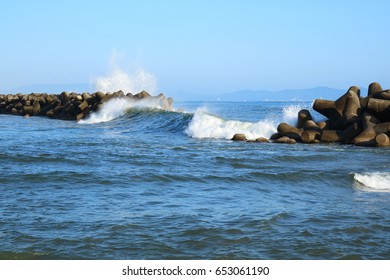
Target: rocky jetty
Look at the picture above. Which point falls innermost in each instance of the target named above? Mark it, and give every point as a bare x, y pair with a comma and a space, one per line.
351, 119
69, 106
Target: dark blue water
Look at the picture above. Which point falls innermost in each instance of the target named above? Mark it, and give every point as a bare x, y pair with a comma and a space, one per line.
145, 186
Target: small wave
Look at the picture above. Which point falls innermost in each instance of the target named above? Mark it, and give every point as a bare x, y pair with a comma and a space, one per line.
206, 125
118, 107
376, 181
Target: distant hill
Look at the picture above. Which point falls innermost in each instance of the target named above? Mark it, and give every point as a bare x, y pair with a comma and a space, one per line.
262, 95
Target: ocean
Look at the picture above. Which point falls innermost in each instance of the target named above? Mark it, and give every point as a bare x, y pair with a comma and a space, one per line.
143, 183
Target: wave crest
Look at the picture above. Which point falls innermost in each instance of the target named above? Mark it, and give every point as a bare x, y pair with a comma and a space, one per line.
118, 107
376, 181
206, 125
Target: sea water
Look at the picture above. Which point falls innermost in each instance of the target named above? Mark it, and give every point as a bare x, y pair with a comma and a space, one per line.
138, 182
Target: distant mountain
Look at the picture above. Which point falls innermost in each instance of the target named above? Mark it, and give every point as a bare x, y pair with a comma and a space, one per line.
263, 95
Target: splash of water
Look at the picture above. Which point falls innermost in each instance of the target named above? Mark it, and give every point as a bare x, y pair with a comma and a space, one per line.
376, 181
290, 114
206, 125
120, 80
118, 107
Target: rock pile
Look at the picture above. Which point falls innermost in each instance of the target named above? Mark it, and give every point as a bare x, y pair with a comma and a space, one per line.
351, 119
68, 106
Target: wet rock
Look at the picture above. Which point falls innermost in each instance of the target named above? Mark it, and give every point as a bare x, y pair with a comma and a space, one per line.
290, 131
369, 134
261, 140
285, 140
331, 136
303, 116
310, 136
239, 137
382, 140
312, 126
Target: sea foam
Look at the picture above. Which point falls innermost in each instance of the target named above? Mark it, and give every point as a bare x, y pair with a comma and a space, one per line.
375, 181
206, 125
118, 107
290, 113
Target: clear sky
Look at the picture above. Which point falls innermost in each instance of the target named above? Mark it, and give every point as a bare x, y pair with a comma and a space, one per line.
197, 46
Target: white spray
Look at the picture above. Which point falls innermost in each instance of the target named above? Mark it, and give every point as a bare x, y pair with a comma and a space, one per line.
375, 181
128, 81
206, 125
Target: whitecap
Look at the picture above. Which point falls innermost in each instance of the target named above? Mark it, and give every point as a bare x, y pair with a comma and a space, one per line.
118, 107
207, 125
375, 181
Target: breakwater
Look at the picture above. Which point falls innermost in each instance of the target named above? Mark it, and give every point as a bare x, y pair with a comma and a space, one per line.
69, 106
351, 119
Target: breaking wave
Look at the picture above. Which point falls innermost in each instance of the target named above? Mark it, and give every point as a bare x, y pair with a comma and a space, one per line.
118, 107
199, 124
290, 113
206, 125
376, 181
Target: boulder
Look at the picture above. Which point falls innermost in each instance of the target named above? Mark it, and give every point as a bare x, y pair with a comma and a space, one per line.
369, 134
369, 120
285, 140
331, 136
311, 125
239, 137
85, 96
352, 109
348, 134
64, 97
380, 108
36, 107
261, 140
310, 136
285, 129
83, 105
28, 110
323, 125
327, 108
100, 95
382, 140
303, 116
335, 110
374, 88
142, 94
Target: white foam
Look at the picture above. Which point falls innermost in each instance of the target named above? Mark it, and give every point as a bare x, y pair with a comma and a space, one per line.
290, 114
376, 181
206, 125
121, 80
117, 107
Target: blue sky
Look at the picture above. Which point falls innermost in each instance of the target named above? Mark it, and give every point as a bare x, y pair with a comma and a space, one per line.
197, 46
